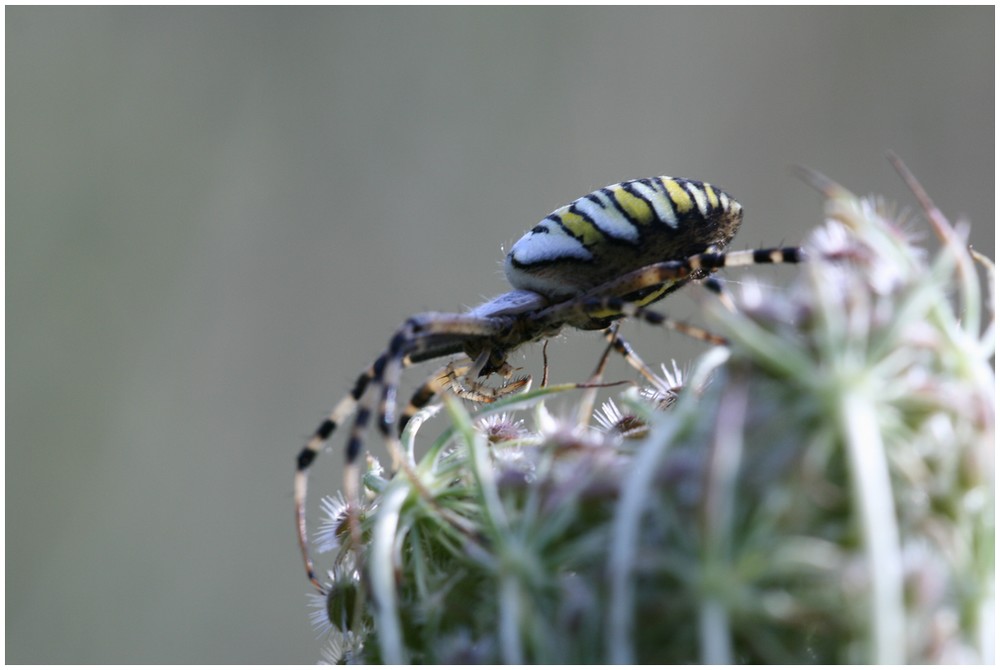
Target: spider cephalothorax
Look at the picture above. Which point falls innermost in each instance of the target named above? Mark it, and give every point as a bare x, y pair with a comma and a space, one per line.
603, 257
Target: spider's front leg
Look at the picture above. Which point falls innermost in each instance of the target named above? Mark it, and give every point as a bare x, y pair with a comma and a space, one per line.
437, 334
338, 415
610, 300
420, 338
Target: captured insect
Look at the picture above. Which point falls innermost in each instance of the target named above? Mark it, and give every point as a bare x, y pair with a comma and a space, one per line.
603, 257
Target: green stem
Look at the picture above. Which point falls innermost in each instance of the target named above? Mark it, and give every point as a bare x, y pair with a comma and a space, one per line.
880, 534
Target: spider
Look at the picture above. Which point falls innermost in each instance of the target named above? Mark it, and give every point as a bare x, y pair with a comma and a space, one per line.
603, 257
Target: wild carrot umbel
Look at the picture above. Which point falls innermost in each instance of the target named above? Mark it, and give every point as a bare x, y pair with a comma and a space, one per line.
819, 490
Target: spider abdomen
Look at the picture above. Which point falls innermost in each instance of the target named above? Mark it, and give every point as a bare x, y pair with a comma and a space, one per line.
619, 228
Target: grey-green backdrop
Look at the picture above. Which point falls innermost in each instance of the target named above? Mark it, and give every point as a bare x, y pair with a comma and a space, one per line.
215, 218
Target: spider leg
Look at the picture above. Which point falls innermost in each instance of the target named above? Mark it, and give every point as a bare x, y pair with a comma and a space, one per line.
545, 363
714, 284
636, 311
455, 377
669, 273
610, 300
418, 335
436, 383
340, 412
621, 345
307, 455
678, 270
420, 338
611, 335
586, 405
717, 285
442, 378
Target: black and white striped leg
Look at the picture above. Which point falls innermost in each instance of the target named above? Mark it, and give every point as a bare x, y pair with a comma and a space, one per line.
310, 451
420, 338
414, 341
630, 309
669, 272
607, 298
341, 411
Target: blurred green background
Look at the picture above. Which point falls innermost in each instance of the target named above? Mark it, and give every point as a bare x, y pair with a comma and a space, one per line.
216, 217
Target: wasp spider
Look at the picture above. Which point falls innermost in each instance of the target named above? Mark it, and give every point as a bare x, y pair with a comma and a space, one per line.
601, 258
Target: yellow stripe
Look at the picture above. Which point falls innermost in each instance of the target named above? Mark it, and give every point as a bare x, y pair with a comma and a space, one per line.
636, 208
642, 302
682, 201
582, 229
713, 200
655, 295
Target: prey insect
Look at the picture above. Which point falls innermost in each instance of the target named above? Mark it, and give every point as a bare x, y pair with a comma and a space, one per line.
604, 257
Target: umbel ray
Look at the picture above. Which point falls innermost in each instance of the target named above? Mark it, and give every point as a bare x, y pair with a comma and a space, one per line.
604, 257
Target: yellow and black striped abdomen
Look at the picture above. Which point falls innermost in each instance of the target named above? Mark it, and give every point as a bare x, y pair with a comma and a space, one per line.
620, 228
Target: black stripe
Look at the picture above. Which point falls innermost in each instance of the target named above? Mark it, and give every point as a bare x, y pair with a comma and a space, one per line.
325, 429
621, 346
763, 256
714, 284
385, 426
569, 261
793, 255
654, 318
583, 215
655, 184
360, 385
361, 420
403, 420
305, 459
607, 234
423, 396
659, 185
397, 343
711, 261
553, 218
353, 449
377, 368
